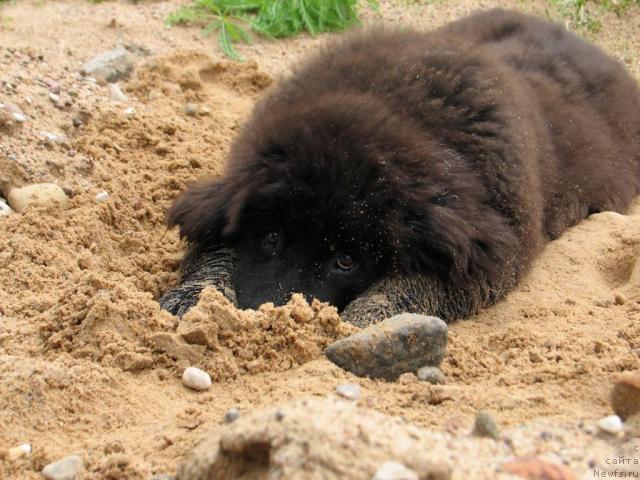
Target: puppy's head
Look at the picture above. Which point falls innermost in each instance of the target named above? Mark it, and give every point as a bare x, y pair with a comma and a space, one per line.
324, 199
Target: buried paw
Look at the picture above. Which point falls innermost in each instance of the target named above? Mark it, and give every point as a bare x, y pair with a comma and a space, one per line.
179, 300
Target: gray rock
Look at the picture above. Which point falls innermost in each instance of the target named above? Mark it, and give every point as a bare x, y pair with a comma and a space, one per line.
111, 66
432, 375
231, 415
397, 345
191, 109
485, 426
66, 469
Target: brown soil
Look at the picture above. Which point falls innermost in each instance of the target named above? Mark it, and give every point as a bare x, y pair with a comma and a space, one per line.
90, 365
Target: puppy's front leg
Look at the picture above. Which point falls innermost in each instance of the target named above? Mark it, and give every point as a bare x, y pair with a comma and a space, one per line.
201, 268
413, 293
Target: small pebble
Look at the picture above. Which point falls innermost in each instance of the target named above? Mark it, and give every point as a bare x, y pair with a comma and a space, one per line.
129, 111
279, 415
350, 391
55, 98
77, 122
196, 379
394, 471
49, 137
5, 209
20, 451
625, 395
52, 85
611, 424
116, 93
19, 117
432, 375
191, 109
485, 426
232, 415
66, 469
102, 196
620, 299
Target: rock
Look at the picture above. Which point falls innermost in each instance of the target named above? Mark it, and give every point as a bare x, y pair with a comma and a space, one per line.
55, 98
394, 471
110, 66
129, 111
53, 85
66, 469
350, 391
231, 415
485, 426
116, 93
102, 196
535, 468
21, 198
625, 396
4, 208
399, 344
191, 109
49, 137
432, 375
19, 117
196, 379
77, 122
611, 424
18, 452
620, 299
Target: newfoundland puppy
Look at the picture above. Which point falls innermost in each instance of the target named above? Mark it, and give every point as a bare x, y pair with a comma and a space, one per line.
407, 171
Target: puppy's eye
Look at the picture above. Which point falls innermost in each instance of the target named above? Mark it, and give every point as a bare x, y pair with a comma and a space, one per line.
270, 239
345, 262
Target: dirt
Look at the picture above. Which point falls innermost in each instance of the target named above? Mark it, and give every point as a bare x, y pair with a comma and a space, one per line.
89, 364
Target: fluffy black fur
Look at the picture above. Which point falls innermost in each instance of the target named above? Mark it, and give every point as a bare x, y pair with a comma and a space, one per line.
444, 160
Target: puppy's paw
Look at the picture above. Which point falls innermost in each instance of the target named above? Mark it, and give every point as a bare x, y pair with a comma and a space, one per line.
179, 300
367, 310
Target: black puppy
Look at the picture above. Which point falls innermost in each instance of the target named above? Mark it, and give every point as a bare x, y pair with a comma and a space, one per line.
406, 171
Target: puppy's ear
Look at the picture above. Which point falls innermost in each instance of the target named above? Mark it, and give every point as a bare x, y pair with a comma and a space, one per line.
443, 241
201, 212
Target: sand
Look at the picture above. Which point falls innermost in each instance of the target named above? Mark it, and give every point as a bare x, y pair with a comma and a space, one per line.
89, 364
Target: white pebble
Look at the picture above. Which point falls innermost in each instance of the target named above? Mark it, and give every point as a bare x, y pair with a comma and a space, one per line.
19, 117
116, 93
196, 379
54, 98
50, 137
350, 391
129, 111
611, 424
102, 196
394, 471
4, 208
20, 451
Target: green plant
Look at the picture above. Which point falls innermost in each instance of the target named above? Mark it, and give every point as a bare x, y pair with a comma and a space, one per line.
271, 18
580, 12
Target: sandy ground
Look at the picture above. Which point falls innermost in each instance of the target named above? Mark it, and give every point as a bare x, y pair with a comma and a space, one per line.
90, 365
